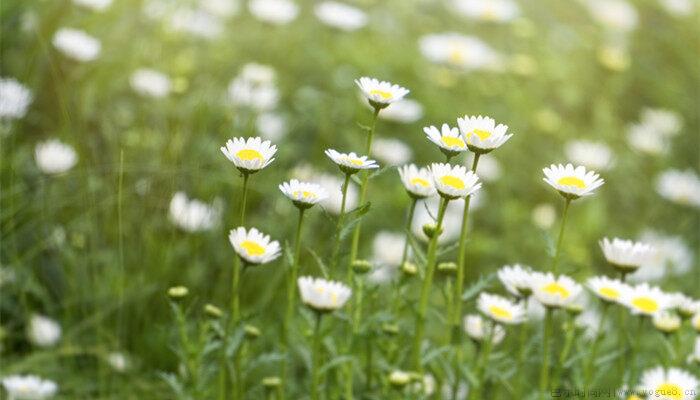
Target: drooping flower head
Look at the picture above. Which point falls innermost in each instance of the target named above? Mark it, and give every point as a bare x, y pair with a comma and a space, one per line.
571, 182
380, 94
322, 295
481, 134
351, 163
453, 182
417, 181
251, 155
303, 194
253, 246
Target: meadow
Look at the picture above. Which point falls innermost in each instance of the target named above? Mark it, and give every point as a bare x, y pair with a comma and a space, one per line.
544, 244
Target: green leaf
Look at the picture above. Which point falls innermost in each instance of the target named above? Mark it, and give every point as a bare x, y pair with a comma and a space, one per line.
353, 218
336, 361
364, 127
319, 261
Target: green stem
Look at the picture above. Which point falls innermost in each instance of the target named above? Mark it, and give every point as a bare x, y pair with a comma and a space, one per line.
544, 373
568, 342
483, 362
555, 261
245, 197
291, 294
425, 290
396, 301
634, 354
522, 350
339, 227
316, 357
594, 348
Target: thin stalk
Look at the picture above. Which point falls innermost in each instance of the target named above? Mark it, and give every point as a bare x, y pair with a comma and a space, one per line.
341, 218
316, 357
425, 290
522, 352
555, 261
244, 198
291, 294
235, 318
634, 356
404, 257
568, 342
594, 348
544, 373
482, 363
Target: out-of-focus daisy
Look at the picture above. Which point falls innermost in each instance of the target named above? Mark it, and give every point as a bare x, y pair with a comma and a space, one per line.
54, 156
276, 12
516, 279
695, 322
405, 111
380, 94
481, 134
303, 194
76, 44
333, 185
589, 320
151, 83
645, 139
254, 87
454, 181
417, 181
571, 182
671, 256
96, 5
488, 10
43, 331
609, 290
500, 309
682, 187
447, 139
665, 122
479, 330
271, 126
340, 15
616, 15
192, 215
614, 57
696, 351
391, 151
250, 155
666, 322
351, 163
643, 299
489, 168
554, 291
459, 51
668, 384
678, 8
543, 215
15, 99
118, 361
686, 306
322, 295
253, 246
387, 248
29, 387
626, 255
197, 22
220, 8
595, 155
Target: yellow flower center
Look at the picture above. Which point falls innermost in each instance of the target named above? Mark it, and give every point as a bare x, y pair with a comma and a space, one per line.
452, 141
420, 182
482, 134
354, 161
249, 154
500, 312
572, 181
381, 93
334, 298
305, 194
646, 304
456, 56
556, 289
609, 292
669, 391
252, 248
452, 181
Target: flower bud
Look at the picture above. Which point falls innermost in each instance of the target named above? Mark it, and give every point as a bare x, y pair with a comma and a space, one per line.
178, 292
271, 382
390, 329
212, 311
431, 230
409, 268
361, 266
251, 332
399, 378
447, 268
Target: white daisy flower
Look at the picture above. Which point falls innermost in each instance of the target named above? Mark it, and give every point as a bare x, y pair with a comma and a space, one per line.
516, 279
609, 290
333, 186
150, 83
571, 182
95, 5
15, 99
197, 22
644, 138
668, 384
380, 94
192, 215
28, 387
43, 331
340, 15
695, 322
351, 163
323, 295
482, 134
646, 300
118, 361
455, 181
253, 246
254, 87
250, 155
303, 194
666, 322
417, 181
477, 329
488, 10
448, 139
554, 291
664, 122
220, 8
54, 156
682, 187
276, 12
459, 51
595, 155
76, 44
678, 8
543, 216
615, 15
696, 351
686, 306
671, 257
589, 320
391, 151
405, 111
271, 126
626, 255
500, 309
387, 248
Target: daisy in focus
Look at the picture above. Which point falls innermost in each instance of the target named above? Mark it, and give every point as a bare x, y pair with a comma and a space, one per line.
571, 182
478, 330
626, 255
380, 94
252, 246
250, 155
481, 134
646, 300
608, 290
351, 163
500, 309
447, 139
28, 387
554, 291
322, 295
668, 384
453, 182
303, 194
516, 279
417, 181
